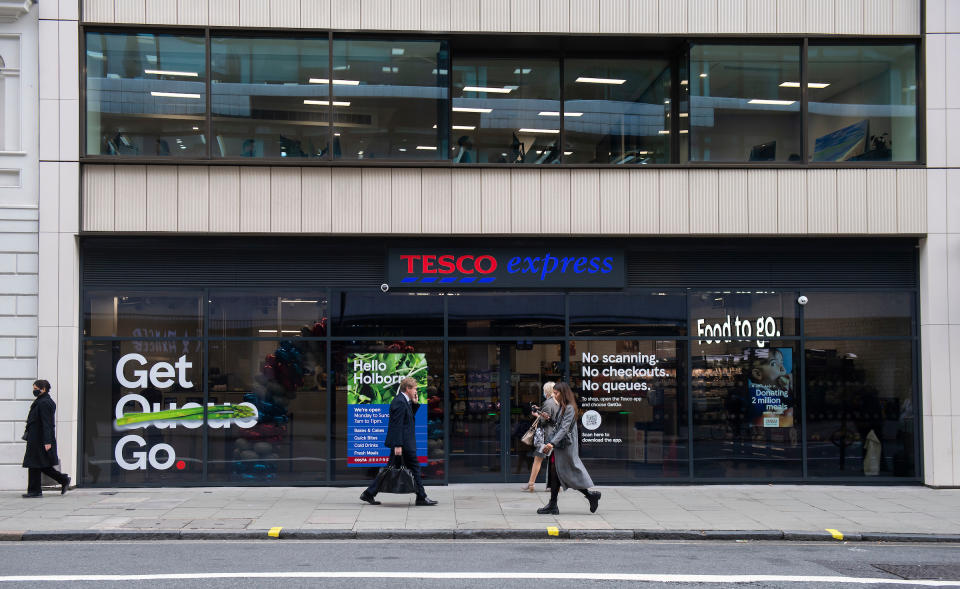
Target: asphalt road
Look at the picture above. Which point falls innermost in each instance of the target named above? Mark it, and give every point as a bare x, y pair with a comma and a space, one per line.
469, 564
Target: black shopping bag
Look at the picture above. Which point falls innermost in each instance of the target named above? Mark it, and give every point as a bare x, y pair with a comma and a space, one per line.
396, 478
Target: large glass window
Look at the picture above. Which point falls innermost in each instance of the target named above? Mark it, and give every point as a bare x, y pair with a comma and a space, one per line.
143, 315
616, 111
861, 418
146, 95
284, 382
628, 314
390, 99
268, 315
744, 103
746, 410
863, 103
858, 314
634, 412
506, 111
505, 315
269, 97
365, 313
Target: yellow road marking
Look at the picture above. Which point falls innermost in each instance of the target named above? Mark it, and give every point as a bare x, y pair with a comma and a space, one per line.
837, 535
274, 532
553, 531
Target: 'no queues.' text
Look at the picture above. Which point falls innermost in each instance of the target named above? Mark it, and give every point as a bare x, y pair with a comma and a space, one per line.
498, 268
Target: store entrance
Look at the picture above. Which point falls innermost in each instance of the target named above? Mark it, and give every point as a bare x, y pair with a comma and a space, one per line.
492, 386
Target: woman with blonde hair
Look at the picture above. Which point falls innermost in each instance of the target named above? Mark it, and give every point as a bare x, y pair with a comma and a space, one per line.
547, 415
566, 469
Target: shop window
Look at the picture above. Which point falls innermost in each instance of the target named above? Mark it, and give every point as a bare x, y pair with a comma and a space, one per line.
861, 416
269, 97
366, 378
148, 427
390, 99
863, 103
629, 314
285, 381
505, 315
732, 314
632, 397
143, 315
744, 103
506, 111
616, 111
858, 314
373, 314
746, 410
146, 95
287, 315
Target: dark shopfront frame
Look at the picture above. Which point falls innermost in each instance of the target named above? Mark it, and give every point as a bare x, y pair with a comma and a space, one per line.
100, 272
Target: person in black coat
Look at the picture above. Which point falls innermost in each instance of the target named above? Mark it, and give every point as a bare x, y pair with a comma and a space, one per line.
40, 435
402, 437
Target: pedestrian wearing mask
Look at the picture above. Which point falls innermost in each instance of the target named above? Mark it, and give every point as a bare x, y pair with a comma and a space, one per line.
566, 469
547, 415
41, 452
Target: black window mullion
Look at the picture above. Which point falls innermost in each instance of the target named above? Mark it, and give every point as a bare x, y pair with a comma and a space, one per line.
330, 130
330, 394
802, 377
209, 63
205, 438
562, 138
804, 118
675, 107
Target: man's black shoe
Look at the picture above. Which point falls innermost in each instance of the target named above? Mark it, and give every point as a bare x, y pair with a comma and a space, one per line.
64, 485
425, 501
368, 498
31, 495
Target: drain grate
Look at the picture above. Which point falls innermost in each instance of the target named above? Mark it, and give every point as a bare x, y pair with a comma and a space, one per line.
927, 572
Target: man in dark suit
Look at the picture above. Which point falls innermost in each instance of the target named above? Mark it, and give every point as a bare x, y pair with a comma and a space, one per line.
40, 455
402, 437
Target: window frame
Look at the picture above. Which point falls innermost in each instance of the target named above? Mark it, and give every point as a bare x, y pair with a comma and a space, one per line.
678, 57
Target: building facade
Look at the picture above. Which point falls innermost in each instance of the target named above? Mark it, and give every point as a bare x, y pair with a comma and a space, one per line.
729, 223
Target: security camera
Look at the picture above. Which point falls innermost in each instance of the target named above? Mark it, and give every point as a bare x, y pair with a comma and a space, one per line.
384, 287
802, 300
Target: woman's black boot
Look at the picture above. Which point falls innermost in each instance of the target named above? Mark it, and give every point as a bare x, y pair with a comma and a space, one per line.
594, 498
549, 508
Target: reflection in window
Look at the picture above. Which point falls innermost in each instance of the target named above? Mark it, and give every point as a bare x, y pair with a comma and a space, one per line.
509, 315
640, 396
746, 420
393, 315
744, 103
857, 314
861, 420
146, 94
616, 111
264, 97
286, 382
640, 313
759, 314
171, 389
863, 103
257, 315
142, 316
390, 99
506, 111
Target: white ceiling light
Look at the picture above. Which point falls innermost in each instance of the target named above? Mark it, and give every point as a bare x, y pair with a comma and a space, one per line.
663, 132
568, 153
397, 51
550, 131
553, 113
463, 127
174, 95
468, 109
522, 70
335, 82
486, 89
326, 103
427, 147
614, 81
703, 75
809, 85
684, 82
772, 102
172, 73
684, 115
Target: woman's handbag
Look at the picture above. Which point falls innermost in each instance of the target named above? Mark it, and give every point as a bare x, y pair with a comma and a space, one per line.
396, 478
527, 438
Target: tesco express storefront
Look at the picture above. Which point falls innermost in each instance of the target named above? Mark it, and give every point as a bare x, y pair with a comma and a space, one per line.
231, 361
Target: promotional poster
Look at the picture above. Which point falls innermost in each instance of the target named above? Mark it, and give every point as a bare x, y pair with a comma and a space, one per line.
769, 373
373, 380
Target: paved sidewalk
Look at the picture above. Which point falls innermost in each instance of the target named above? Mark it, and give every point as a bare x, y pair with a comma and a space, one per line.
772, 508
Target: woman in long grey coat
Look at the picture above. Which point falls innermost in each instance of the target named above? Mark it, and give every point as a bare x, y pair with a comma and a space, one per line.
566, 469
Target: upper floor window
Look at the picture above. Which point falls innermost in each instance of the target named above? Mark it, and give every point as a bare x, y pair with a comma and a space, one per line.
466, 100
146, 95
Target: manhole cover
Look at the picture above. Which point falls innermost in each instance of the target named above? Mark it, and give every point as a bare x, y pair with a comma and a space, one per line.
929, 572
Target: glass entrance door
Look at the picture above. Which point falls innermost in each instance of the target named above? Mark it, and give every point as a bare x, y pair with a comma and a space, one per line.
492, 386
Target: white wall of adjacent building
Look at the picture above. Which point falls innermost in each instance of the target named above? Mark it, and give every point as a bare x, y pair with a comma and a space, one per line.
19, 247
171, 199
